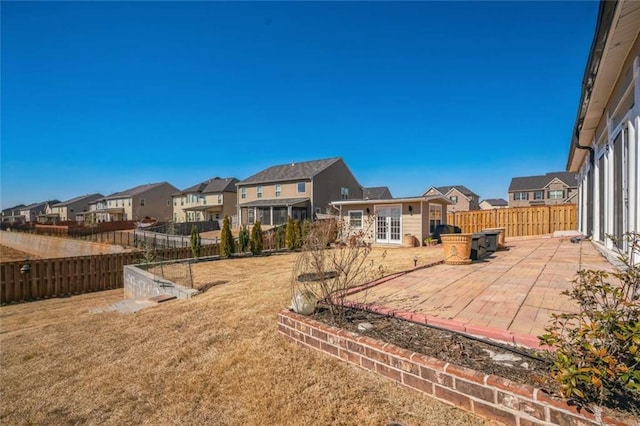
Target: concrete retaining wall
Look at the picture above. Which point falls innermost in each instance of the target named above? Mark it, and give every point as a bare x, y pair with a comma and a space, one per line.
139, 283
53, 247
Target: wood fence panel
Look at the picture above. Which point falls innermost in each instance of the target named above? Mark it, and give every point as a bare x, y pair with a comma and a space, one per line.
518, 222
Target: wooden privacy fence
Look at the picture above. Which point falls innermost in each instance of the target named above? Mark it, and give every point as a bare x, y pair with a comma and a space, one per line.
75, 275
519, 221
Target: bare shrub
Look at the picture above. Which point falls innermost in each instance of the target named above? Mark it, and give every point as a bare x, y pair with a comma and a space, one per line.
328, 273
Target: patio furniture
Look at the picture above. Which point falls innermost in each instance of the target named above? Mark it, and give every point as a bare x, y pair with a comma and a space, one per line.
479, 245
492, 239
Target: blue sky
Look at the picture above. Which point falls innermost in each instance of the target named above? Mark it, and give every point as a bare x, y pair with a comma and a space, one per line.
103, 96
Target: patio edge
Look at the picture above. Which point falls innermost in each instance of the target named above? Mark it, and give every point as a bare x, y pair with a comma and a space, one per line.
485, 395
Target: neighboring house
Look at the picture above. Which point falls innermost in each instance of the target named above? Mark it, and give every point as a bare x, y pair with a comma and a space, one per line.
33, 211
67, 210
296, 190
493, 203
208, 200
462, 197
12, 214
604, 150
385, 222
150, 200
377, 193
549, 189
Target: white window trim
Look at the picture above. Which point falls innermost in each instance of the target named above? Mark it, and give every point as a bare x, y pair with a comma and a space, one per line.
361, 219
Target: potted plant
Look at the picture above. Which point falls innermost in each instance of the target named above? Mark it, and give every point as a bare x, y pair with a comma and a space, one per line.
430, 241
457, 248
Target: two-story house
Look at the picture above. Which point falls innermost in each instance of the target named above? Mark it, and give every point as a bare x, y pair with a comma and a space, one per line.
35, 210
462, 197
549, 189
149, 200
296, 190
212, 199
67, 210
377, 193
12, 214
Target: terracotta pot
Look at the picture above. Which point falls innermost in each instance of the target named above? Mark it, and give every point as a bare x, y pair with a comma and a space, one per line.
457, 248
408, 241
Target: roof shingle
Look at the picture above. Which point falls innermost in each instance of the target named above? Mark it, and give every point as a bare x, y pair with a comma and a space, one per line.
291, 171
530, 183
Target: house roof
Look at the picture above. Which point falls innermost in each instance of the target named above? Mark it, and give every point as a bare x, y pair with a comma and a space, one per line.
136, 190
445, 189
376, 193
39, 205
77, 199
290, 171
440, 198
11, 209
530, 183
211, 186
498, 202
617, 28
275, 202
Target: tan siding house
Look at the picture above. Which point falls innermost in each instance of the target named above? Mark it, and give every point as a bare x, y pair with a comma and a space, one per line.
549, 189
462, 198
296, 190
385, 222
151, 200
209, 200
493, 203
68, 210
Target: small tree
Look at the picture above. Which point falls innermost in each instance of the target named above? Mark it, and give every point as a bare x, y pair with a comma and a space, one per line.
196, 244
597, 349
297, 234
280, 237
256, 238
227, 246
290, 234
243, 239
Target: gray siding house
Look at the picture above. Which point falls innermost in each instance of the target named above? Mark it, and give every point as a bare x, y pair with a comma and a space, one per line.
549, 189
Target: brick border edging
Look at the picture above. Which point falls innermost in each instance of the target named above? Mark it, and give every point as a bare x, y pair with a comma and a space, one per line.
485, 395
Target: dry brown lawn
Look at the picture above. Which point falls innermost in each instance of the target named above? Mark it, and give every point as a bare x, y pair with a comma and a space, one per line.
216, 359
8, 254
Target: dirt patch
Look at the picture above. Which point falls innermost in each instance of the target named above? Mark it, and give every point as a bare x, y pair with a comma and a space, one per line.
517, 364
8, 254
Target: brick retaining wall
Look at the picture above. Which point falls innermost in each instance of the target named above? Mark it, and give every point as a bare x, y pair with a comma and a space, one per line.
487, 396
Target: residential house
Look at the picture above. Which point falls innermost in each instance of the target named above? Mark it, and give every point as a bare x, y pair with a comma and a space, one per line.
33, 211
67, 210
296, 190
12, 214
387, 221
142, 201
493, 203
208, 200
462, 197
377, 193
604, 150
549, 189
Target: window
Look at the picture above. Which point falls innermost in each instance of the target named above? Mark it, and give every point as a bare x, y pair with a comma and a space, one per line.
318, 210
175, 217
141, 202
168, 202
538, 195
355, 219
243, 193
258, 192
555, 194
517, 196
219, 198
344, 193
204, 199
175, 202
302, 187
454, 198
129, 202
278, 189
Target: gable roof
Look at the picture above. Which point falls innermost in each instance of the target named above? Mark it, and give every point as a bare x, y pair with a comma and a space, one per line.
376, 193
11, 209
211, 186
136, 190
530, 183
39, 205
291, 171
498, 202
445, 189
90, 197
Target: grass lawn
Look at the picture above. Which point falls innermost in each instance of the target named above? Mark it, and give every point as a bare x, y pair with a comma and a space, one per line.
216, 359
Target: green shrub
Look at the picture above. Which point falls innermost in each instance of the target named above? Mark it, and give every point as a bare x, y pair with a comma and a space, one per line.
227, 245
290, 235
597, 349
256, 238
243, 239
196, 243
305, 231
280, 237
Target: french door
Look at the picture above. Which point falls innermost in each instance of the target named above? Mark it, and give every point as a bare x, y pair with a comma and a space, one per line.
389, 224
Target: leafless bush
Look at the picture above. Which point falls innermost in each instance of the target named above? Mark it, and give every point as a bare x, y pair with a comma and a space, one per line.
326, 273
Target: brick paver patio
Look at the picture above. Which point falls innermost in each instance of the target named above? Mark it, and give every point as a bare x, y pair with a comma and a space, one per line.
510, 292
